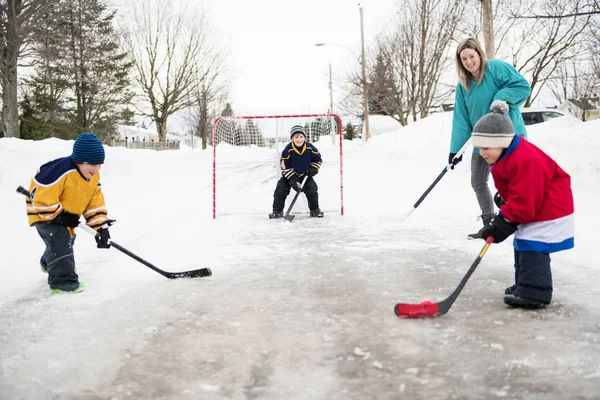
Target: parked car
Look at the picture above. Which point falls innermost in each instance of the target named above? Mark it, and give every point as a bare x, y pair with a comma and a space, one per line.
533, 116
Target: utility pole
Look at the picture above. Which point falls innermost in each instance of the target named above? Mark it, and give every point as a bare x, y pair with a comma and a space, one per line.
364, 77
330, 90
488, 29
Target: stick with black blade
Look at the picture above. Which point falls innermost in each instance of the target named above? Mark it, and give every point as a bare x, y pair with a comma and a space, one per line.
428, 309
196, 273
435, 182
287, 215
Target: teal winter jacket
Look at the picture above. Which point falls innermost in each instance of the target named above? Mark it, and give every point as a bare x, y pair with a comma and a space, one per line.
501, 81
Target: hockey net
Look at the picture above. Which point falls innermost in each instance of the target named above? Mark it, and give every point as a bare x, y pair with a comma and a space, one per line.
246, 161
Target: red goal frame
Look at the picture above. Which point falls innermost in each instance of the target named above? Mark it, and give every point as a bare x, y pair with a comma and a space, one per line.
282, 116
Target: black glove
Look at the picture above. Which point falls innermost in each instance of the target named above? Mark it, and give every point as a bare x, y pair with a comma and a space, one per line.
102, 237
67, 219
297, 186
499, 200
500, 228
454, 162
312, 171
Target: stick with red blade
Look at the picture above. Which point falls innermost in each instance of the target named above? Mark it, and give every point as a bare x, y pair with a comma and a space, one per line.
428, 309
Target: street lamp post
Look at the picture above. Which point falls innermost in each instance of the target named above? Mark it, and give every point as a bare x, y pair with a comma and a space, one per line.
330, 90
364, 75
364, 78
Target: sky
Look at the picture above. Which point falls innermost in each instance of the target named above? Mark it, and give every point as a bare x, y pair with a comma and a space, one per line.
300, 310
275, 66
278, 67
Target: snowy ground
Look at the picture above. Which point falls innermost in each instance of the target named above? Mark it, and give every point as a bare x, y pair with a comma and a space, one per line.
301, 310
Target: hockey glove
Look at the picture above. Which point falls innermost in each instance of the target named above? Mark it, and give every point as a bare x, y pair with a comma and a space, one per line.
66, 218
499, 200
312, 171
453, 161
500, 228
102, 238
297, 186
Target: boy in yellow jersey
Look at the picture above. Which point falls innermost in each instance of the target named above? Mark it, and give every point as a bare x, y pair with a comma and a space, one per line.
61, 191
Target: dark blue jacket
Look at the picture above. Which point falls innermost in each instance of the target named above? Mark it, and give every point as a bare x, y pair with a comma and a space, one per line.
295, 162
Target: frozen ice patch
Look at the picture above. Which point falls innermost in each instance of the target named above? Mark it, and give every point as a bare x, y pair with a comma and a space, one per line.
209, 388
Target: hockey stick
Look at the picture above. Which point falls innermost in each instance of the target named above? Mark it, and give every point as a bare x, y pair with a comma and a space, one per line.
435, 182
287, 215
196, 273
428, 309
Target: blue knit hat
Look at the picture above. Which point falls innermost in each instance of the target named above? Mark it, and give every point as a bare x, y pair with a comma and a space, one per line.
88, 149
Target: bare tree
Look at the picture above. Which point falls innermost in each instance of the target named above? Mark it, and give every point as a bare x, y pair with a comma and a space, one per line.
543, 45
573, 79
594, 51
582, 8
211, 94
488, 28
169, 46
418, 53
18, 19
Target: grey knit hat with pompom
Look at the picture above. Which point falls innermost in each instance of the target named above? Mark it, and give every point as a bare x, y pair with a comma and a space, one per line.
494, 130
297, 129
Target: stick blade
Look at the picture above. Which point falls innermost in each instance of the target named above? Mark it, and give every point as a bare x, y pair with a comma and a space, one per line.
196, 273
404, 216
422, 310
289, 218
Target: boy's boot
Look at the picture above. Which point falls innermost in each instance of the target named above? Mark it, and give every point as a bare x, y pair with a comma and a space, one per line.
510, 289
316, 213
486, 219
78, 289
275, 215
521, 302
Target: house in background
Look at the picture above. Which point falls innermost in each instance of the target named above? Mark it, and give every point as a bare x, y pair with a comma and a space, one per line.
140, 138
585, 109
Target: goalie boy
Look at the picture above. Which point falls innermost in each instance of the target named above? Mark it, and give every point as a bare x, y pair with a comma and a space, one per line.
300, 162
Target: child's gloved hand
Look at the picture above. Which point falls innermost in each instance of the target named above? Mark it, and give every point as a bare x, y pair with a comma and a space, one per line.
312, 171
500, 228
67, 219
102, 238
297, 186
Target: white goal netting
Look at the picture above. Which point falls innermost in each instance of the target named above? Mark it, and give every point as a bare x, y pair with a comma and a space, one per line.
246, 161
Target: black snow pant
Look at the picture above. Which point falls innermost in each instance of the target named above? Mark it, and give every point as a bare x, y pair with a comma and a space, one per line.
533, 277
58, 258
282, 190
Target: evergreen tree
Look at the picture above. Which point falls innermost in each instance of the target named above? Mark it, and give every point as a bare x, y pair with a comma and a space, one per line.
253, 133
349, 132
227, 111
83, 81
382, 88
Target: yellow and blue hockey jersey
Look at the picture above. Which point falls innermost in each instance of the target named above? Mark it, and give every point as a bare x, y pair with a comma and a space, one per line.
296, 161
58, 186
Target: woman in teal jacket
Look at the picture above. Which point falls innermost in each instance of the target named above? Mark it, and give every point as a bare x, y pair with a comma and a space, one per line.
480, 83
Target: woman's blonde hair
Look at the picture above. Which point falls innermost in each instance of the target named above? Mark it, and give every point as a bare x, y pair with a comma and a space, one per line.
464, 76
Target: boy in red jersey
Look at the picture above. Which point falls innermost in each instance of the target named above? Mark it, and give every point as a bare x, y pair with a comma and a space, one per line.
535, 201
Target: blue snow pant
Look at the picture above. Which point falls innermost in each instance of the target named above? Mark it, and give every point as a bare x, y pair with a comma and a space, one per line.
533, 277
58, 258
282, 190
